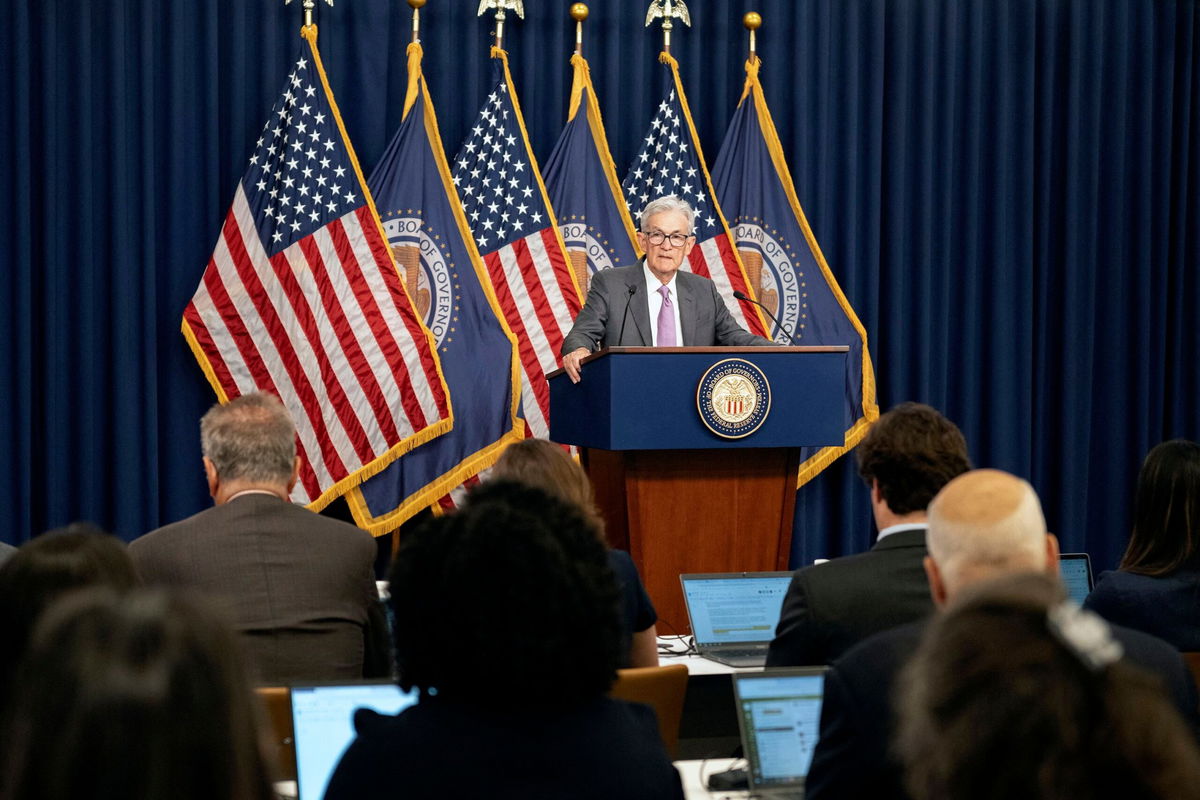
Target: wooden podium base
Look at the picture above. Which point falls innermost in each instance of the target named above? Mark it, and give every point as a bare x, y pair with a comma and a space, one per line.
686, 511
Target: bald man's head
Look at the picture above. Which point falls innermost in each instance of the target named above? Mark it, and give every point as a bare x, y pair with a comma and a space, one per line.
982, 524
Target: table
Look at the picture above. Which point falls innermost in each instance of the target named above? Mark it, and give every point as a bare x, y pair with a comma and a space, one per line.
694, 771
709, 728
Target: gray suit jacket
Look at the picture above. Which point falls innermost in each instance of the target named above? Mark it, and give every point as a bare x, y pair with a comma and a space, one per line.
703, 317
300, 587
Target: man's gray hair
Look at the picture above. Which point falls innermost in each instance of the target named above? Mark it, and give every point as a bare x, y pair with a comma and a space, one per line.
669, 202
250, 438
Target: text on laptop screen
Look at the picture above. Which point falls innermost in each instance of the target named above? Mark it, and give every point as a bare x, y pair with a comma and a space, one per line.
323, 717
1076, 577
781, 716
727, 610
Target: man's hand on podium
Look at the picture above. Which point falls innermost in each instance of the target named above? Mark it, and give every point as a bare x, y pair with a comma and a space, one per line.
571, 361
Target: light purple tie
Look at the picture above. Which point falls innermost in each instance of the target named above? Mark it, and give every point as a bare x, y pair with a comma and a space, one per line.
666, 319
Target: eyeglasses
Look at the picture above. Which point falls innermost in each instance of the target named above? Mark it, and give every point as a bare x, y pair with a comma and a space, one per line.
676, 239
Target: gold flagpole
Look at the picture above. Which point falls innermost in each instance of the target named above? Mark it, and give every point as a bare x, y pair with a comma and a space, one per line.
416, 6
668, 10
753, 21
501, 7
308, 5
579, 12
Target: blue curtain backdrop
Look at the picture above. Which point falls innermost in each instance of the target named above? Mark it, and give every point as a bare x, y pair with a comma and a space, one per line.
1007, 192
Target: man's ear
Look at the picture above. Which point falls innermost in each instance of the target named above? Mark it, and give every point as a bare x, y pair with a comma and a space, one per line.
1052, 551
937, 586
876, 495
214, 479
295, 475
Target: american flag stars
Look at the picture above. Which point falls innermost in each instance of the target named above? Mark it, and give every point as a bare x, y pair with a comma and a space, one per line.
300, 176
494, 181
666, 165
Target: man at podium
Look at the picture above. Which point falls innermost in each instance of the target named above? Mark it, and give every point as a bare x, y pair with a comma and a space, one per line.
654, 304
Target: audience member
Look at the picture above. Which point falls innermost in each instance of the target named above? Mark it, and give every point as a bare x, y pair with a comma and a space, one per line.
537, 462
300, 587
909, 454
45, 569
1016, 693
1157, 587
6, 551
506, 622
983, 525
134, 698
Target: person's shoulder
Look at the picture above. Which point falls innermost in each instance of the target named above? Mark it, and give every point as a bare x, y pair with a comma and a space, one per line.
911, 546
884, 650
187, 526
616, 276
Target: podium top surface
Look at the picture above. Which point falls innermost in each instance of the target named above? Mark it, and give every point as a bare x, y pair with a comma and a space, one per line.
835, 348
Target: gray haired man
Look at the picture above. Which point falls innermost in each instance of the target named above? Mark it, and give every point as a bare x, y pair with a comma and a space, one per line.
300, 587
654, 303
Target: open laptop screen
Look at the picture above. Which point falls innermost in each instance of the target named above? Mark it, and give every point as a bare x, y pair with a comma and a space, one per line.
323, 719
1076, 569
735, 607
779, 712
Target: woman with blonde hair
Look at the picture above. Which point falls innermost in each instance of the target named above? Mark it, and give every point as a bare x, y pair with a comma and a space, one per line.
546, 466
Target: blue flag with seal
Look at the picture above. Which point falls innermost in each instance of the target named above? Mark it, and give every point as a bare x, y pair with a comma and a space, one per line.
447, 280
784, 263
581, 180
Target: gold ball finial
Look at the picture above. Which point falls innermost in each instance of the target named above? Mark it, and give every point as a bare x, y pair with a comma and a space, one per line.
752, 21
416, 3
579, 11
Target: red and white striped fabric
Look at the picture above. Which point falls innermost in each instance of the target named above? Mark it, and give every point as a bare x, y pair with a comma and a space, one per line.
301, 299
514, 227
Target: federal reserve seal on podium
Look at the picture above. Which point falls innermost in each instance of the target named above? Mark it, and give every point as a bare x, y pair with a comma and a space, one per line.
733, 398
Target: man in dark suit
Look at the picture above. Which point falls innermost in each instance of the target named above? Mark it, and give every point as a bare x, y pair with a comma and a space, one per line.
982, 526
909, 454
300, 587
654, 303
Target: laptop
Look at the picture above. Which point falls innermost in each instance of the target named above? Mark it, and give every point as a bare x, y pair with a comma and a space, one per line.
1076, 570
734, 614
323, 720
779, 713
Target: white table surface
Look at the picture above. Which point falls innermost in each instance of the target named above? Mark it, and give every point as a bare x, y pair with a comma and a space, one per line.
693, 774
697, 665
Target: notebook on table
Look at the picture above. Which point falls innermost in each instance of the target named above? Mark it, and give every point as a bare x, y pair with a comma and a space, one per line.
1076, 570
734, 614
323, 720
779, 713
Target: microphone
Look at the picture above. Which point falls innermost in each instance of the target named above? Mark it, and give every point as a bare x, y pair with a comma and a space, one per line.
625, 317
749, 299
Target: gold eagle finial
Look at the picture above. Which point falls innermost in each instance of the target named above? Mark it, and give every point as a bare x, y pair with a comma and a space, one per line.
668, 9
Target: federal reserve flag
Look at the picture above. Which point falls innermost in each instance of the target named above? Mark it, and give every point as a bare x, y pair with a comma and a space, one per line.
671, 162
788, 273
581, 180
301, 299
428, 233
513, 223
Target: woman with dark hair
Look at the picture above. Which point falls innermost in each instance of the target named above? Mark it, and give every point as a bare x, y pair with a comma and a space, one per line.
1016, 693
1156, 589
505, 621
46, 568
132, 698
540, 463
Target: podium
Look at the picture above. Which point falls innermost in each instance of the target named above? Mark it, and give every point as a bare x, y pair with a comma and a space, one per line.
678, 496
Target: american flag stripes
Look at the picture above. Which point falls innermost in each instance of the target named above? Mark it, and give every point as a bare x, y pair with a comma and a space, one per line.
672, 163
510, 216
301, 298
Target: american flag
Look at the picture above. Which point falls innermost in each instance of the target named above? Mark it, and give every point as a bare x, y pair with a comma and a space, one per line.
671, 163
301, 298
514, 227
